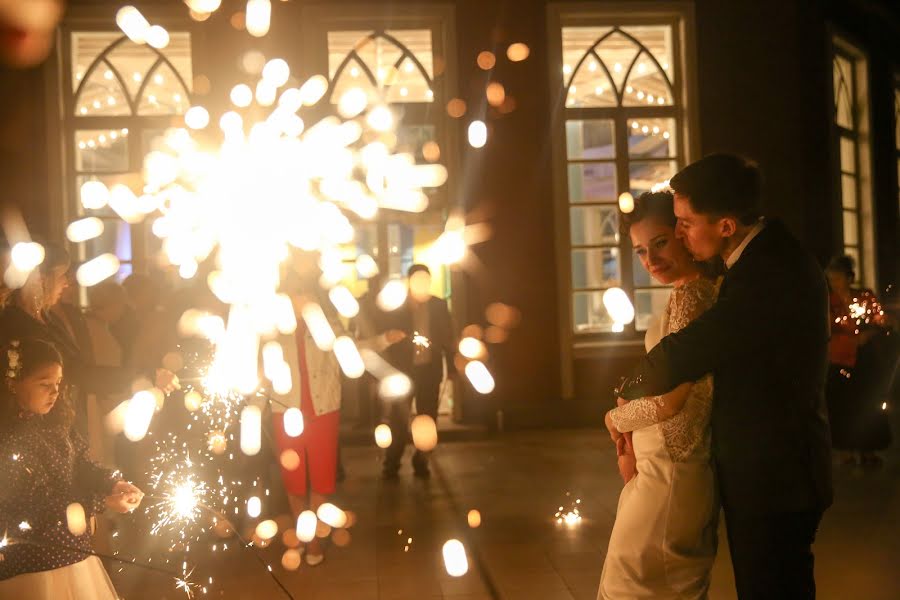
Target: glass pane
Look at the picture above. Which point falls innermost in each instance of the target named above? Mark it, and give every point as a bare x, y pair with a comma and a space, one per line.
589, 314
384, 59
649, 304
848, 191
594, 225
648, 85
644, 175
591, 86
854, 254
366, 240
657, 42
86, 47
617, 52
409, 85
101, 150
133, 180
410, 244
590, 139
576, 41
843, 92
592, 182
116, 238
851, 228
132, 61
596, 267
163, 94
340, 44
897, 118
418, 42
652, 138
848, 156
102, 95
411, 139
353, 76
640, 276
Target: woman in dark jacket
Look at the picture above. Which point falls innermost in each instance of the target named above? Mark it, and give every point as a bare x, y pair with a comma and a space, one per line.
28, 315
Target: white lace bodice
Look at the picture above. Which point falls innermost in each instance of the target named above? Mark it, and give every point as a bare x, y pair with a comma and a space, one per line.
687, 432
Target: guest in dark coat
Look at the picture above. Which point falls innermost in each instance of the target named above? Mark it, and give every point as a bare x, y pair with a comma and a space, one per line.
429, 342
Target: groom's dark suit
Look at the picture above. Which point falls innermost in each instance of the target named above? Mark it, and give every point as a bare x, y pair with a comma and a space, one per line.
765, 341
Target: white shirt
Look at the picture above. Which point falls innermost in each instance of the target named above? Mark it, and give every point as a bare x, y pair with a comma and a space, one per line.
736, 254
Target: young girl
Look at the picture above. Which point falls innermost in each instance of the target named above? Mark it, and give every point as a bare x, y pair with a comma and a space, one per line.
45, 471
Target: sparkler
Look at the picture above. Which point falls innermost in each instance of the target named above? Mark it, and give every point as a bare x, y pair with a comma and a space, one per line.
181, 504
185, 584
420, 341
570, 517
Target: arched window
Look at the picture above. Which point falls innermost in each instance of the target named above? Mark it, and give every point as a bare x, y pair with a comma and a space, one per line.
897, 129
623, 120
397, 62
393, 66
851, 127
119, 98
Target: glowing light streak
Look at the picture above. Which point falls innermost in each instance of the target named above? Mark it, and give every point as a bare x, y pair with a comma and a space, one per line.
258, 17
251, 432
479, 376
383, 436
455, 560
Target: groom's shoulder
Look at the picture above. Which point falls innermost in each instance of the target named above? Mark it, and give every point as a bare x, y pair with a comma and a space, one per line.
777, 251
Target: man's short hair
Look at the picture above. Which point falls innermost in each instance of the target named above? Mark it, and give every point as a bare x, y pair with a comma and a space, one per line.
416, 268
722, 185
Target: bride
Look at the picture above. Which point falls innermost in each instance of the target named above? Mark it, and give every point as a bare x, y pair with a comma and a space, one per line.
664, 539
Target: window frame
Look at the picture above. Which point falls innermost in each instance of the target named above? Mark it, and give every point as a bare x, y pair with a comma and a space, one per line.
318, 20
845, 47
680, 17
58, 75
896, 90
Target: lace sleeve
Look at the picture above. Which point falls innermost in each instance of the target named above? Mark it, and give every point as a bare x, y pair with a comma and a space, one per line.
685, 304
637, 414
690, 301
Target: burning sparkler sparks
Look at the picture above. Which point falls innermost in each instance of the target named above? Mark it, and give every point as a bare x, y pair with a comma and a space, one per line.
185, 584
570, 516
180, 505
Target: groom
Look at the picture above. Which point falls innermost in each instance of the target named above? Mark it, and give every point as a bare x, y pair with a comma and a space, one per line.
765, 341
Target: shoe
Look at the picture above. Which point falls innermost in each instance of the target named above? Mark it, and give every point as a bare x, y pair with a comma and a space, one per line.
390, 474
422, 473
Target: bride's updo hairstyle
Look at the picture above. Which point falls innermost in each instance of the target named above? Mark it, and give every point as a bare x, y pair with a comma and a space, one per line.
651, 205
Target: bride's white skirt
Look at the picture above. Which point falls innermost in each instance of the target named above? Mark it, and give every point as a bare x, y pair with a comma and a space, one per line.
85, 580
663, 543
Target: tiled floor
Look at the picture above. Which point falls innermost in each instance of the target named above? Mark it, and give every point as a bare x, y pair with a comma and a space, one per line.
518, 482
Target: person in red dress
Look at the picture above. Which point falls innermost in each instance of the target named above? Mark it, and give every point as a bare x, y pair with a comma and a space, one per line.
858, 423
309, 459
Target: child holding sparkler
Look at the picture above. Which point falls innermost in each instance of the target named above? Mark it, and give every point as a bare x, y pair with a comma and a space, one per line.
51, 489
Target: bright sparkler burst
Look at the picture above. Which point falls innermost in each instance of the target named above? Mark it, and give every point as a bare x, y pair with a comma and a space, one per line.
180, 505
268, 190
179, 495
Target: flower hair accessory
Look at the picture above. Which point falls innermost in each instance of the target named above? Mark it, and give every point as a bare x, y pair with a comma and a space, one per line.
14, 364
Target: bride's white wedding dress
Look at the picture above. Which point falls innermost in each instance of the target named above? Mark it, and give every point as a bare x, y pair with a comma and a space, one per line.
663, 543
